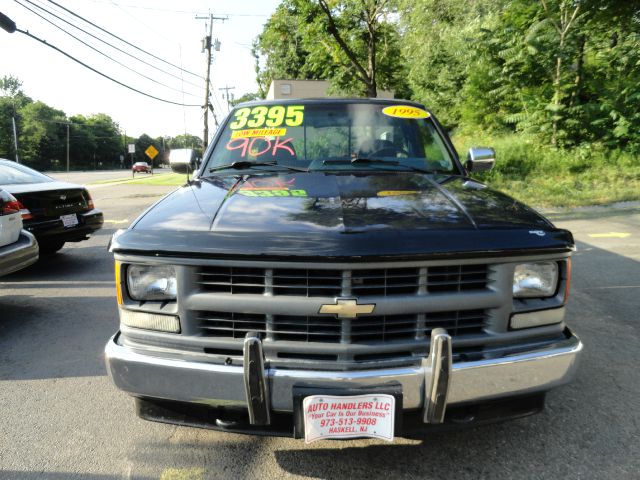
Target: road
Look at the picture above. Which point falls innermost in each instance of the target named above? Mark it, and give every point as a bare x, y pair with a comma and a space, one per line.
101, 176
63, 419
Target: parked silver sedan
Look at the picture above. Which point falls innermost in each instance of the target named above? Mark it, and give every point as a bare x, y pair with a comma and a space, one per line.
18, 248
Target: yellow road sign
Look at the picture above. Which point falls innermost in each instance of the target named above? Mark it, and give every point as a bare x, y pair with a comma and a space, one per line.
151, 152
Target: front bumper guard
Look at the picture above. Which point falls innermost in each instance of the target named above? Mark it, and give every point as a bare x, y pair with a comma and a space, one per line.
437, 383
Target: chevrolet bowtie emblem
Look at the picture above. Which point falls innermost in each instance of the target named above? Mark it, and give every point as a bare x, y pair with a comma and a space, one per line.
347, 308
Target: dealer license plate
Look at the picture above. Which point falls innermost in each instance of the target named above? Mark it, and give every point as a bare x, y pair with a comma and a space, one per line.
328, 417
70, 220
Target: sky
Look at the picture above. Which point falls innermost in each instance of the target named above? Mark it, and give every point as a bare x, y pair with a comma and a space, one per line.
165, 29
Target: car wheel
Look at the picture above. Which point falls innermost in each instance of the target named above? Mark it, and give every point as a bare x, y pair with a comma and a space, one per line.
50, 248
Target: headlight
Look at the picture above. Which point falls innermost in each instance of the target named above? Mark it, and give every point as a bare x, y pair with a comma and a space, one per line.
535, 279
146, 282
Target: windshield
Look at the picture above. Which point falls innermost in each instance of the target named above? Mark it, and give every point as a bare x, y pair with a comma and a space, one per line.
330, 136
19, 174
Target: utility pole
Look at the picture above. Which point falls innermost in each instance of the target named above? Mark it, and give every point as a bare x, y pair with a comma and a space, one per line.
226, 95
206, 45
15, 137
9, 26
67, 147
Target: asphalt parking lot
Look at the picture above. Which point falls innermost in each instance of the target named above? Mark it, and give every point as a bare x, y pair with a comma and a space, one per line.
63, 419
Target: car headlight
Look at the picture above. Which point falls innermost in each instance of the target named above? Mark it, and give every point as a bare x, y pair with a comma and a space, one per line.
535, 279
151, 282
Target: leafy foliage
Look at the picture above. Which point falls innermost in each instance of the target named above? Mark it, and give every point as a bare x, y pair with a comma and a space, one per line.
554, 83
566, 71
94, 141
353, 43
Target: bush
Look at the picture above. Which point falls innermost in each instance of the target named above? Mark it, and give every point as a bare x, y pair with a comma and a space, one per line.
549, 177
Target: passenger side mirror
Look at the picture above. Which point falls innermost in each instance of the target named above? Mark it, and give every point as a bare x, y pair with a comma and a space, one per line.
480, 159
181, 167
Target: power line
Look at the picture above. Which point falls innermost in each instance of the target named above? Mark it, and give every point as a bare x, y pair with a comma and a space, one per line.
215, 96
112, 46
68, 122
229, 99
102, 53
189, 12
121, 39
107, 43
160, 34
44, 42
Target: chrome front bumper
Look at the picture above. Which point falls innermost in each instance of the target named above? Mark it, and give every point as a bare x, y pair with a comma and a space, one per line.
432, 386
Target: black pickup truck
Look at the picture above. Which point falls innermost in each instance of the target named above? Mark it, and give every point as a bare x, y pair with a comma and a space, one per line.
333, 271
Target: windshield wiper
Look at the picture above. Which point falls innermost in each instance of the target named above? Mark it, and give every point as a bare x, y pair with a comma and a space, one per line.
383, 163
245, 164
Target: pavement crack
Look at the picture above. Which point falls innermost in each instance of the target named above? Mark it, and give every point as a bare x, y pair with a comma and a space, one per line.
173, 433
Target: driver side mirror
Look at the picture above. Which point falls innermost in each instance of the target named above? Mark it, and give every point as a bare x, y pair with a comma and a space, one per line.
480, 159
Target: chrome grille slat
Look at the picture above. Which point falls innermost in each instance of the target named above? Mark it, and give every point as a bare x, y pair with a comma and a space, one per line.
365, 328
314, 282
410, 303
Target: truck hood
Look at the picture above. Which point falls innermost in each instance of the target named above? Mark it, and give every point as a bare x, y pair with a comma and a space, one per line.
339, 215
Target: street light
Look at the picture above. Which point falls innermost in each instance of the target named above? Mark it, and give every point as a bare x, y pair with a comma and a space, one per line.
7, 24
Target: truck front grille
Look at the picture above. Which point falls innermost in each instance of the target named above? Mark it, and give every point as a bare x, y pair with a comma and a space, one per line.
332, 283
328, 329
281, 302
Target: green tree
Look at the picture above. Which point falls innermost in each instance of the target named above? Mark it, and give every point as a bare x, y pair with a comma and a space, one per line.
43, 136
12, 98
566, 71
94, 142
247, 97
106, 133
185, 140
283, 49
142, 143
360, 55
440, 45
182, 141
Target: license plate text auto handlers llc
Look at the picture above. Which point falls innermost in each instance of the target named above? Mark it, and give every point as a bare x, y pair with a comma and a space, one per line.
356, 416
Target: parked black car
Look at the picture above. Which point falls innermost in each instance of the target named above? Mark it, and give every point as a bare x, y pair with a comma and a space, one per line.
55, 212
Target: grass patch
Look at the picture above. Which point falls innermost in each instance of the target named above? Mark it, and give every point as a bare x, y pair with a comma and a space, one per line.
174, 179
547, 177
171, 179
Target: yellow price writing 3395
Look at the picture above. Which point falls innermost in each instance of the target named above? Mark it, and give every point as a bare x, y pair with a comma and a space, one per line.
263, 116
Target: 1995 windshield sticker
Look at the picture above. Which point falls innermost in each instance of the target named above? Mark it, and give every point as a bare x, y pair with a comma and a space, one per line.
268, 116
405, 111
259, 132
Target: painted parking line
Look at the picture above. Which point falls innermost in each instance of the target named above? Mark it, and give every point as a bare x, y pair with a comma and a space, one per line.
182, 474
117, 222
610, 235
